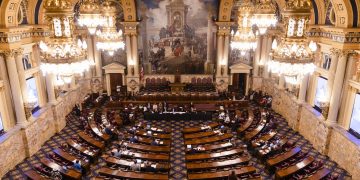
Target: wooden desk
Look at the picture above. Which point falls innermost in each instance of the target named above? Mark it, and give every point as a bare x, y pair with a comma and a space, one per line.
222, 174
252, 134
83, 150
153, 157
248, 123
96, 130
34, 175
70, 173
283, 157
131, 175
199, 129
283, 173
92, 141
217, 164
154, 129
264, 138
155, 135
177, 87
208, 139
320, 174
125, 163
192, 157
70, 158
212, 147
165, 149
201, 134
148, 141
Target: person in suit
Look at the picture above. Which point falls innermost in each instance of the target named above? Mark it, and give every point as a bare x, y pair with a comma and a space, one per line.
135, 166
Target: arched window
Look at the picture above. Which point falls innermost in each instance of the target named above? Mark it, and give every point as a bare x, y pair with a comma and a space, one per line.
355, 117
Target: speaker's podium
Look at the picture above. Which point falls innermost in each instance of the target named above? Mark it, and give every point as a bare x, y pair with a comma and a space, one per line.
177, 86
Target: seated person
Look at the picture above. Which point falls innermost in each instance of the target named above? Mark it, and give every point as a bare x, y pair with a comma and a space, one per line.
133, 139
154, 142
118, 153
135, 166
77, 165
147, 167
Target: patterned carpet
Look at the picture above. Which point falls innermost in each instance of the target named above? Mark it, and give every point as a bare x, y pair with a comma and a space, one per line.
177, 157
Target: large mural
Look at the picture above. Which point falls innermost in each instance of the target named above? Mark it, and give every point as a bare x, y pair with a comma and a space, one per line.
118, 57
175, 35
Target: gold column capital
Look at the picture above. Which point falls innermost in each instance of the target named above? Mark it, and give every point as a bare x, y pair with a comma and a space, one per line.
12, 52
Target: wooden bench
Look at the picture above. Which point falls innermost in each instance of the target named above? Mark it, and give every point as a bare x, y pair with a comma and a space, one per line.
283, 157
146, 156
131, 175
154, 129
201, 134
125, 163
199, 129
213, 147
149, 148
208, 139
97, 131
320, 174
248, 123
217, 164
253, 133
222, 174
286, 172
69, 173
203, 156
148, 141
152, 135
92, 141
70, 158
34, 175
83, 150
264, 138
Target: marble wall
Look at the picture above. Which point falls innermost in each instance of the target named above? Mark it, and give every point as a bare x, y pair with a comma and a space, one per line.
19, 143
329, 139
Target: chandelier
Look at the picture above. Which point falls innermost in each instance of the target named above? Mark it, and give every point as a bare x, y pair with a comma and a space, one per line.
264, 16
90, 15
294, 56
252, 21
61, 54
109, 39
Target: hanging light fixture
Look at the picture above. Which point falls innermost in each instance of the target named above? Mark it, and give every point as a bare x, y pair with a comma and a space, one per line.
244, 39
294, 56
264, 16
90, 15
62, 55
109, 39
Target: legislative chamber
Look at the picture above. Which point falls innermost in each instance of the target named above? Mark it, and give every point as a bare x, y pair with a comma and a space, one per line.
179, 89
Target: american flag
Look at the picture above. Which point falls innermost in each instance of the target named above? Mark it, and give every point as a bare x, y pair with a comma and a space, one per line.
142, 73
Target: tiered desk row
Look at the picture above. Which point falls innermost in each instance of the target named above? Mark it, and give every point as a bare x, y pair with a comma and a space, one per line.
280, 155
211, 155
84, 147
141, 151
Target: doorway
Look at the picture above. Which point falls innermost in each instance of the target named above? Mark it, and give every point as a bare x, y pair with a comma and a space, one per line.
239, 83
115, 81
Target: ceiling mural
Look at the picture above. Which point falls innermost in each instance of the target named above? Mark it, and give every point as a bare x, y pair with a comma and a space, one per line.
175, 35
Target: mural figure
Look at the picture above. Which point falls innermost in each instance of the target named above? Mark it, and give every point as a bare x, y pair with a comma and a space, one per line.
178, 41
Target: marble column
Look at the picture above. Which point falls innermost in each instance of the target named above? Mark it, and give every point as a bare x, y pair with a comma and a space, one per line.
135, 56
226, 54
303, 88
98, 63
257, 57
332, 71
50, 88
220, 46
266, 48
247, 84
128, 53
7, 89
337, 87
15, 88
21, 73
108, 84
209, 39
